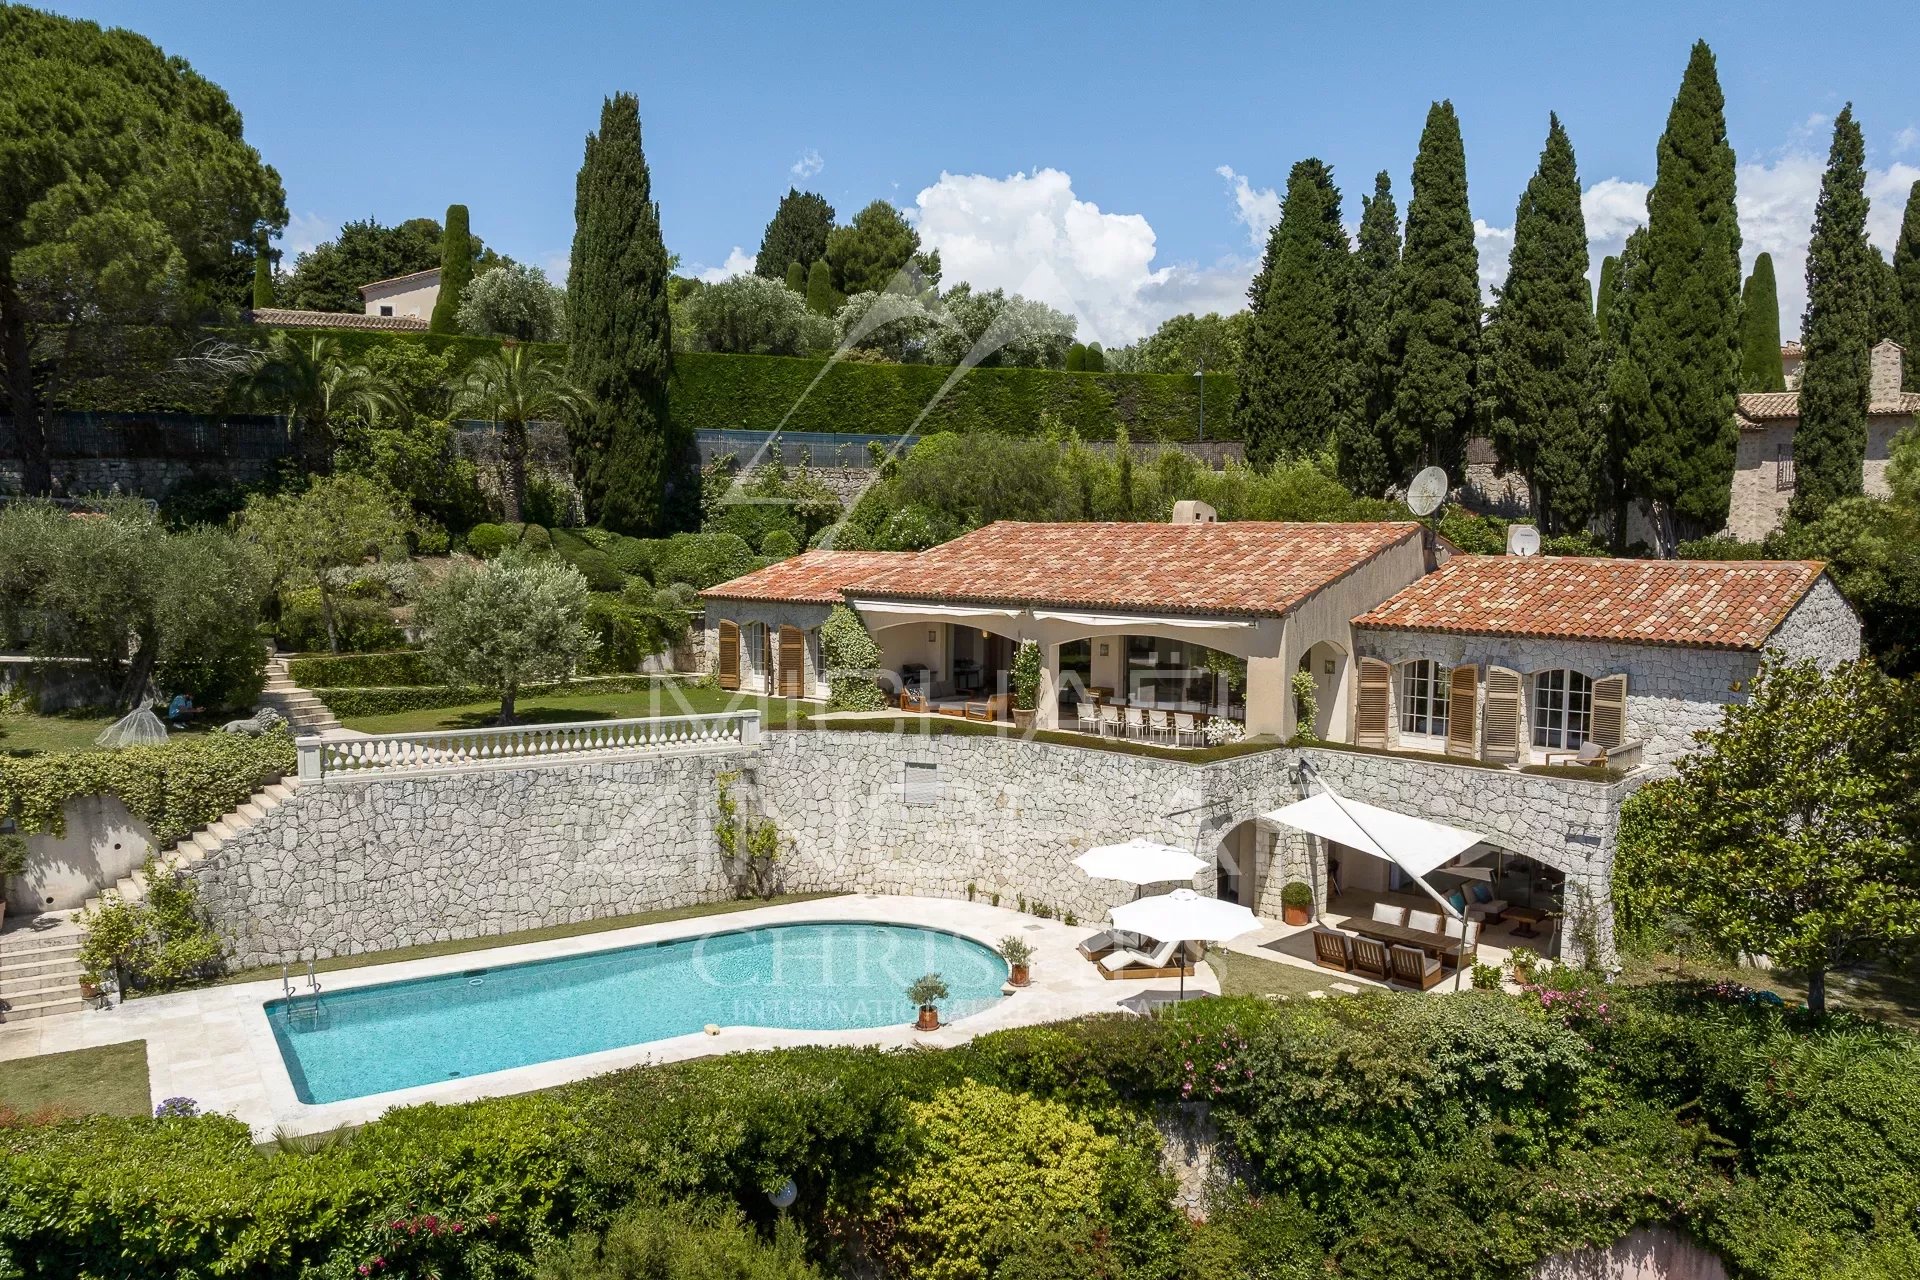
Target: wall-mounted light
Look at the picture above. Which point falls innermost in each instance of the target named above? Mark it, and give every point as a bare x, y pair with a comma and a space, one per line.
933, 637
1328, 666
1103, 648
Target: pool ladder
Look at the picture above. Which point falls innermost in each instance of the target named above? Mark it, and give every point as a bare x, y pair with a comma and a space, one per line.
301, 1003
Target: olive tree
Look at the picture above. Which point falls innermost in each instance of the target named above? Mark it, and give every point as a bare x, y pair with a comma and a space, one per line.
508, 622
1792, 831
322, 536
514, 300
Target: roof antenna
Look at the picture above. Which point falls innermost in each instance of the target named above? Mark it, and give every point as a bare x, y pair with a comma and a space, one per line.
1424, 497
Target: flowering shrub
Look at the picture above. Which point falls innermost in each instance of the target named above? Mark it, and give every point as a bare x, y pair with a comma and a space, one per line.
1214, 1067
1575, 1008
424, 1244
1219, 732
176, 1109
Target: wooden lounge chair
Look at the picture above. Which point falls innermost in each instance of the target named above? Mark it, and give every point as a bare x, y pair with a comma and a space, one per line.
1129, 963
1098, 945
1415, 968
1387, 913
1330, 950
1370, 958
987, 710
913, 700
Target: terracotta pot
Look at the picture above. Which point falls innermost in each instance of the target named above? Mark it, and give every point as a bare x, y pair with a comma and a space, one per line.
1022, 720
1020, 976
929, 1019
1295, 915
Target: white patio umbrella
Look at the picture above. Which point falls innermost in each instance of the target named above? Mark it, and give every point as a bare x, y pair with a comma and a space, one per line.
1185, 916
1139, 861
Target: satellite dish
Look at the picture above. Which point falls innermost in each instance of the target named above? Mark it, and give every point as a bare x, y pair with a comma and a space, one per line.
1428, 491
1523, 540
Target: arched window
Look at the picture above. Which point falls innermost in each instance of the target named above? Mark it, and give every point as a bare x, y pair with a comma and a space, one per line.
1562, 710
1423, 698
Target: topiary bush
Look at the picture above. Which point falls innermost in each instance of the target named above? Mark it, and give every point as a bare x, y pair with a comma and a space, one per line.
364, 624
634, 556
362, 670
594, 565
702, 560
853, 663
779, 544
488, 540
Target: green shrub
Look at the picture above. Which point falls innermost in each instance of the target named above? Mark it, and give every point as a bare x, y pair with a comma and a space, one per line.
634, 556
1297, 894
594, 565
174, 788
364, 625
488, 540
702, 559
380, 702
705, 1240
779, 544
533, 537
853, 663
362, 670
155, 944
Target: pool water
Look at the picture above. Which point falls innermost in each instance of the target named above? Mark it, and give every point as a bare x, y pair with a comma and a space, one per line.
795, 976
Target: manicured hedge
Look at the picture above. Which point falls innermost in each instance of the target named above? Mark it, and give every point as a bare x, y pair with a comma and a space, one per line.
362, 670
712, 391
380, 702
174, 788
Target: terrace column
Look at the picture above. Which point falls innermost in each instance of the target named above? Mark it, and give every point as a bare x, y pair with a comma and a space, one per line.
1047, 709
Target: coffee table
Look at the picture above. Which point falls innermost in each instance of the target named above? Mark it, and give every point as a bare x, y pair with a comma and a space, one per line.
1524, 919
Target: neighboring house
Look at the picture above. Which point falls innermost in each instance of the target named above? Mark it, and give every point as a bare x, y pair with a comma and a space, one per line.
287, 318
409, 295
1763, 475
1791, 356
763, 630
1524, 659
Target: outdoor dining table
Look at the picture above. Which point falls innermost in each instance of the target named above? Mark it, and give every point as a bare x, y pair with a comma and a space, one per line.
1438, 944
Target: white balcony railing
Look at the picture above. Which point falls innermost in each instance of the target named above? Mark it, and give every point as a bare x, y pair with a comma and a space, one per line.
470, 748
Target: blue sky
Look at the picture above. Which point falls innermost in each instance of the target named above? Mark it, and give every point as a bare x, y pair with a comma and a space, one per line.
1117, 160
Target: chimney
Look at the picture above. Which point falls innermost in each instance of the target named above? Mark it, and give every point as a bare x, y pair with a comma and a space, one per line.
1883, 380
1193, 511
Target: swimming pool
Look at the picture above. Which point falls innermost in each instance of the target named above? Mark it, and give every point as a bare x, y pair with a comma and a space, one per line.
790, 976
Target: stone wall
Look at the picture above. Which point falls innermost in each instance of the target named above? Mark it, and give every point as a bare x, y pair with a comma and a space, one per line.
351, 865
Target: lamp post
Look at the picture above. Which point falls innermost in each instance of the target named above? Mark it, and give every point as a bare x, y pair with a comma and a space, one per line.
1200, 384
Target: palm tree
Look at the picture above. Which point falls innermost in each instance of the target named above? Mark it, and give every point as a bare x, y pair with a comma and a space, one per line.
309, 379
513, 388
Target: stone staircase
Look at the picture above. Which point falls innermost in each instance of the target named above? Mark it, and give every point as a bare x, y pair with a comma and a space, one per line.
195, 848
39, 972
307, 714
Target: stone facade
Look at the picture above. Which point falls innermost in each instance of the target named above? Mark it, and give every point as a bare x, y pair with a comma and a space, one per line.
352, 865
757, 660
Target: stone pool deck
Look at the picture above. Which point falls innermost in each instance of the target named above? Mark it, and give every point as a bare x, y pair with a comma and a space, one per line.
216, 1047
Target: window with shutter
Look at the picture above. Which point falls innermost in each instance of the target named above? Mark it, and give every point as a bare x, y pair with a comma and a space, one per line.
1610, 710
920, 784
793, 663
1503, 726
729, 663
1463, 699
1370, 708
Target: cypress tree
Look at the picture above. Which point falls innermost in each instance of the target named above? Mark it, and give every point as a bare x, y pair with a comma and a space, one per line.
1096, 358
1293, 372
1077, 358
1906, 268
1603, 297
1889, 316
262, 273
1627, 394
796, 277
1830, 446
1685, 339
1436, 324
1361, 448
1760, 365
638, 466
822, 298
456, 270
796, 233
1541, 348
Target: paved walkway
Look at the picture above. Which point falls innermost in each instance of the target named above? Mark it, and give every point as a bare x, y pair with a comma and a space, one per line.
215, 1045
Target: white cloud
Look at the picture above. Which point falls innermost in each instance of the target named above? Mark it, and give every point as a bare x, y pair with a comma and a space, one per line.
1494, 244
1029, 234
1258, 208
1907, 140
739, 262
304, 231
808, 164
557, 263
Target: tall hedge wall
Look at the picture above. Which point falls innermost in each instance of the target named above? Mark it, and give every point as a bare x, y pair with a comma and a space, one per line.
754, 393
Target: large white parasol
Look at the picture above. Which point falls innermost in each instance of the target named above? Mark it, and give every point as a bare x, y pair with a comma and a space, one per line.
1139, 861
1184, 916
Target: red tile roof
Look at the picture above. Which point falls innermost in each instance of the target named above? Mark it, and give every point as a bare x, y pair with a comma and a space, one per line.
1239, 567
411, 275
813, 577
1773, 406
285, 318
1709, 604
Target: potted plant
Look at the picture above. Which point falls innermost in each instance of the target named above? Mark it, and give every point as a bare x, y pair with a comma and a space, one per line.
1296, 902
1026, 684
1018, 955
927, 991
13, 862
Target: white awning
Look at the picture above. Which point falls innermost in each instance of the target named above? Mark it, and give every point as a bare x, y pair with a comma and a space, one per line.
893, 613
1122, 621
1417, 845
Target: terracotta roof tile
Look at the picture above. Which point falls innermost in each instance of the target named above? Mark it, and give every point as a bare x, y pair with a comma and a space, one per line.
411, 275
1772, 406
813, 577
1792, 351
1237, 567
1709, 604
283, 318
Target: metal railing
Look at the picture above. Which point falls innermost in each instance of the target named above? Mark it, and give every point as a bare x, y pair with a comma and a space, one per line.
515, 744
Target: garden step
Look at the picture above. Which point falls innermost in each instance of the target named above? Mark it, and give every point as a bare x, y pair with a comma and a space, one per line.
22, 1010
54, 986
278, 792
1345, 988
39, 943
250, 812
223, 831
67, 959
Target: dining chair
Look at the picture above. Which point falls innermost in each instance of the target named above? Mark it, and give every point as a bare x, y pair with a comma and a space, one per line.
1136, 722
1110, 720
1425, 921
1184, 726
1089, 716
1161, 722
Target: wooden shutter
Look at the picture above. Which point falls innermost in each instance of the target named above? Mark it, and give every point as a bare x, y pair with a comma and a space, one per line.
793, 662
1463, 711
1505, 721
1610, 710
729, 663
1370, 708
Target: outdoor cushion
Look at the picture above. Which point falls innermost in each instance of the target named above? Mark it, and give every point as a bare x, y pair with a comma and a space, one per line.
1427, 920
1458, 899
1386, 913
1482, 894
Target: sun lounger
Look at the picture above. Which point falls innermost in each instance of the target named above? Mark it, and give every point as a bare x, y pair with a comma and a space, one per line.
1161, 957
1098, 945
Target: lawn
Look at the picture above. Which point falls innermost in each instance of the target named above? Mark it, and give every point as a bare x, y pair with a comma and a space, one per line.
25, 734
662, 698
109, 1080
1245, 975
428, 950
1889, 995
